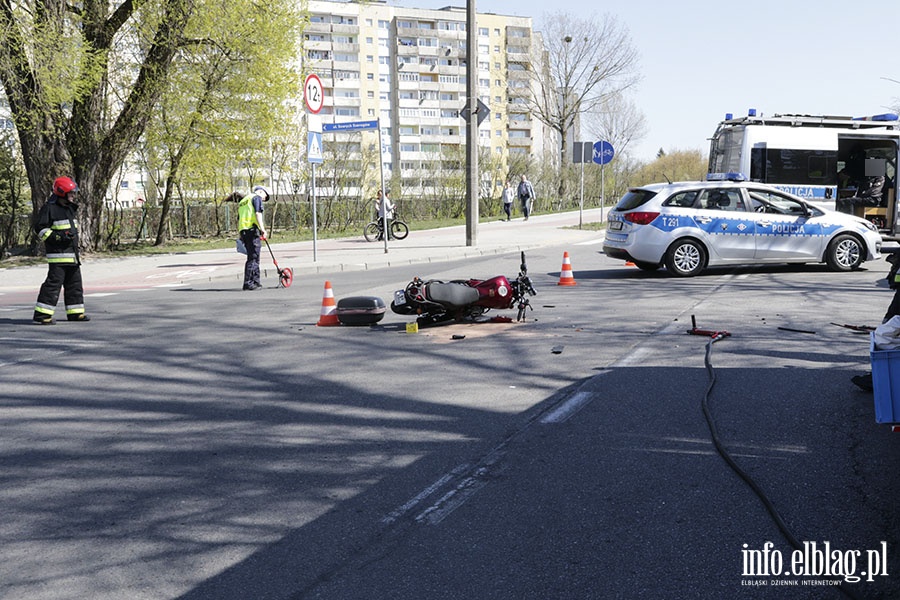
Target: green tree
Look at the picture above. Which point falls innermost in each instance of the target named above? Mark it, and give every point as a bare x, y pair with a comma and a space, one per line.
582, 73
677, 165
13, 189
56, 66
226, 97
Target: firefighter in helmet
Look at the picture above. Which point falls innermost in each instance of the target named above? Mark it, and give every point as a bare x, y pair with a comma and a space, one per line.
57, 227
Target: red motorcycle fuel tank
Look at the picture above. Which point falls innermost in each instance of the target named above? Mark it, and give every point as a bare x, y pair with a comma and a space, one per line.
494, 292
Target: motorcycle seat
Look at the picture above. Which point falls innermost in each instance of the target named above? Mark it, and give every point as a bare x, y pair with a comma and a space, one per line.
452, 294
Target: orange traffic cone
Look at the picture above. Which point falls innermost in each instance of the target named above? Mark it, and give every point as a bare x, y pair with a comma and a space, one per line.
565, 275
329, 308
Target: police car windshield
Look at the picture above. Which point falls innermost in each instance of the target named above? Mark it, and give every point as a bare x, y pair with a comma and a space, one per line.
634, 198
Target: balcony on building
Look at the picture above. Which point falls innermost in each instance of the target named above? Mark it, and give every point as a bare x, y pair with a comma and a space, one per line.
345, 28
347, 48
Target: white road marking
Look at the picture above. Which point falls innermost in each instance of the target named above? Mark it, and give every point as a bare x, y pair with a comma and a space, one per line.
564, 411
409, 505
453, 499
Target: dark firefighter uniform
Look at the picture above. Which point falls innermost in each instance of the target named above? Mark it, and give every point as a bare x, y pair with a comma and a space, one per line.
57, 227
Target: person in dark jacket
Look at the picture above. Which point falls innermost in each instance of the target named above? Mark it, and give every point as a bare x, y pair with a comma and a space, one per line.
57, 227
526, 196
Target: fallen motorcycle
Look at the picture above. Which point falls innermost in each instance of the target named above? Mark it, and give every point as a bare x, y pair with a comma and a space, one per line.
436, 301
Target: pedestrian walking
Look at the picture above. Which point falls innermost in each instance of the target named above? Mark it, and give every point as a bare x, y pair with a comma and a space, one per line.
509, 195
526, 195
252, 230
57, 227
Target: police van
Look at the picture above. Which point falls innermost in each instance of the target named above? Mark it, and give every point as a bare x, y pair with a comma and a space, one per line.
844, 163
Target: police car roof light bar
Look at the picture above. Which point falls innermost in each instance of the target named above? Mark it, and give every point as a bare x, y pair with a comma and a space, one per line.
730, 176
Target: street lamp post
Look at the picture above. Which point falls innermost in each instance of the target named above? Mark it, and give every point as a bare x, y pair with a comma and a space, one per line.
472, 177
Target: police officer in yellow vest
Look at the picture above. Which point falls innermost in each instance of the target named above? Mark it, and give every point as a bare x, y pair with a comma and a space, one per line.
252, 230
57, 227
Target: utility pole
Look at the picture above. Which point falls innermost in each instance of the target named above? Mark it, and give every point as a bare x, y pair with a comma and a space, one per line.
472, 178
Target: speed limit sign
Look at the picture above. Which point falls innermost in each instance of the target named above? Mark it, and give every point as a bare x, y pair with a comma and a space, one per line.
313, 93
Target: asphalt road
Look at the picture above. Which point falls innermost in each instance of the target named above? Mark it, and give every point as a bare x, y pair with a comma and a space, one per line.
198, 442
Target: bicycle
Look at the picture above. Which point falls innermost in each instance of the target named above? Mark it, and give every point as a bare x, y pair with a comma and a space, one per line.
374, 230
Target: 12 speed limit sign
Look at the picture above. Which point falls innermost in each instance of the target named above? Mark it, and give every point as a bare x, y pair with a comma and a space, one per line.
313, 93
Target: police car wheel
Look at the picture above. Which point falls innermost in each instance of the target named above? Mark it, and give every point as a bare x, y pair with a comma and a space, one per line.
845, 253
685, 258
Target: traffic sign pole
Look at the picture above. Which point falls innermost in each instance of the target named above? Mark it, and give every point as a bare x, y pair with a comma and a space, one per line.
603, 153
581, 198
314, 97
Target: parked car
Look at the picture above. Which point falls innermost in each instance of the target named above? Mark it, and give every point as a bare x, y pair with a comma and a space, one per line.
689, 226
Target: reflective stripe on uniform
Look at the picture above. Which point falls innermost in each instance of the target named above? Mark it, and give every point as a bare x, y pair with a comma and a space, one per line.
65, 224
45, 309
75, 309
43, 234
61, 257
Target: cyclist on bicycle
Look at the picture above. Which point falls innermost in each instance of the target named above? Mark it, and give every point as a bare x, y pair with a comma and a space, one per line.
383, 205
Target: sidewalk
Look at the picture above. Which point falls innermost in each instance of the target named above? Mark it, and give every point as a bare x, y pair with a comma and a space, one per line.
331, 255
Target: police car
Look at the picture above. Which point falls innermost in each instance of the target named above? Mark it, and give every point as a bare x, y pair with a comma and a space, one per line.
689, 226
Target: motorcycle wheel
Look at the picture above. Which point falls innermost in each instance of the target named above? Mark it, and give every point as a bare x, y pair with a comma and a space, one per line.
370, 231
403, 309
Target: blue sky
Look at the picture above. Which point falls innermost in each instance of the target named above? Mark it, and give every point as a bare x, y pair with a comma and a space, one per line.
702, 59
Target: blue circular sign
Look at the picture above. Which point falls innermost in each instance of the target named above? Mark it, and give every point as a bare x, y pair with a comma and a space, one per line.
603, 152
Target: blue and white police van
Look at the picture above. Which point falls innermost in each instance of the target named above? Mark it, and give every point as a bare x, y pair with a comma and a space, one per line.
689, 226
825, 160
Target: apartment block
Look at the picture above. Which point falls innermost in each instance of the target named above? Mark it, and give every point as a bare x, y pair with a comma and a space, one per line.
407, 68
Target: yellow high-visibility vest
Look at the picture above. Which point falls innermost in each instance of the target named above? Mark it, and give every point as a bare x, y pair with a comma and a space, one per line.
247, 213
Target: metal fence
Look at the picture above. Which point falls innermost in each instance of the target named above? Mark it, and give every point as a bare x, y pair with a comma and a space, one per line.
341, 215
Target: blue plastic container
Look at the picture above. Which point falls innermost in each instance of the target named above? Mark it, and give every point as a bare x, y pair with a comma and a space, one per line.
885, 382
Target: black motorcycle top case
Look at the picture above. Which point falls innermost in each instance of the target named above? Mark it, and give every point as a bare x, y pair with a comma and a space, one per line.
360, 310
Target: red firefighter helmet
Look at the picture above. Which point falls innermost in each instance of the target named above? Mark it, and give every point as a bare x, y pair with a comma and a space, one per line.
64, 185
